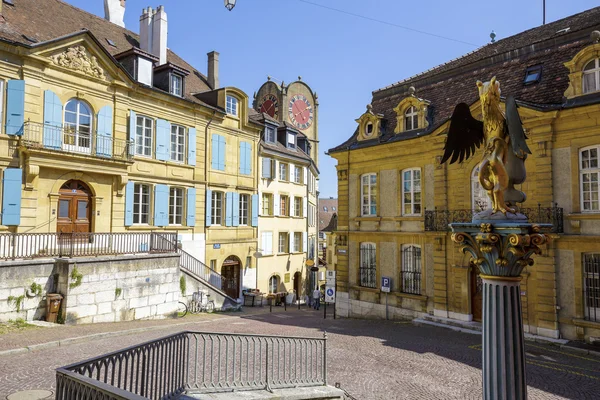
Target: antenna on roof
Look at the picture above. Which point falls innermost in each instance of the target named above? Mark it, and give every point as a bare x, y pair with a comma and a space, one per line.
544, 12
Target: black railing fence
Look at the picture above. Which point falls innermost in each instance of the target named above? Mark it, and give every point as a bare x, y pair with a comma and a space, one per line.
438, 220
591, 286
197, 362
39, 245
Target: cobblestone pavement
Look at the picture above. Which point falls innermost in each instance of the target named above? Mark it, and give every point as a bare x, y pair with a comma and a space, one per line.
370, 359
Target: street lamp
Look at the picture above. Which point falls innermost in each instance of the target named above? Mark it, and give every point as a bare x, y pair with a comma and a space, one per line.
229, 4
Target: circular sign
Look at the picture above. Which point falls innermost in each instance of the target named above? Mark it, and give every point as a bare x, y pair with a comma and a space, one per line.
310, 263
330, 292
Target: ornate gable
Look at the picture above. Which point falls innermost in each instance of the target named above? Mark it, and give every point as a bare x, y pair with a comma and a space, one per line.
369, 124
77, 58
419, 113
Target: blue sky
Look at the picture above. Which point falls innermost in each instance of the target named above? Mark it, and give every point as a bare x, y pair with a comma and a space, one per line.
342, 57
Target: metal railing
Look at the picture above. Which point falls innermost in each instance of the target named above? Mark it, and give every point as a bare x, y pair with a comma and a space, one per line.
438, 220
197, 362
410, 270
62, 138
40, 245
192, 264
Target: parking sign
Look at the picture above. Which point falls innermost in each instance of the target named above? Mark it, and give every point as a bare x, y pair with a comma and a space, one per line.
386, 284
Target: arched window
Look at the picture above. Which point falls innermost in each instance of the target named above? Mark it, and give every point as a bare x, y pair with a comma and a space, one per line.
274, 284
479, 199
411, 119
78, 126
591, 76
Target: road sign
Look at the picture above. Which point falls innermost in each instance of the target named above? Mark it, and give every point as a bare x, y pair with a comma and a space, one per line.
330, 295
386, 284
330, 277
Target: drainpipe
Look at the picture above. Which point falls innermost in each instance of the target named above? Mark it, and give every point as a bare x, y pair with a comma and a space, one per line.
206, 141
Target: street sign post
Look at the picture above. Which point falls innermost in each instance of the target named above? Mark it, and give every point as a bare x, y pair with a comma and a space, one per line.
330, 295
329, 291
386, 286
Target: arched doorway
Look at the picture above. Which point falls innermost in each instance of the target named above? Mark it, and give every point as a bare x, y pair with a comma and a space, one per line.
230, 277
74, 208
297, 283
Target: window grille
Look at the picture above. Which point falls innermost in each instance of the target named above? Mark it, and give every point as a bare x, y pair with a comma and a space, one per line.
410, 272
591, 286
368, 265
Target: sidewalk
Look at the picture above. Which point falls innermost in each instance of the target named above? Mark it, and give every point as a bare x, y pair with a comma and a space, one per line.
37, 338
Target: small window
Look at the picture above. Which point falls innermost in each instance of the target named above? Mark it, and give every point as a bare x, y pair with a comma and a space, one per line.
175, 206
141, 204
284, 242
283, 171
110, 42
298, 174
324, 208
232, 106
369, 129
270, 134
267, 201
591, 76
143, 136
176, 85
533, 74
217, 208
177, 142
243, 209
291, 141
411, 119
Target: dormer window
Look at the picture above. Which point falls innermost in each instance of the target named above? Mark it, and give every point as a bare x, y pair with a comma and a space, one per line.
411, 119
177, 85
269, 134
232, 106
291, 141
369, 129
591, 76
533, 75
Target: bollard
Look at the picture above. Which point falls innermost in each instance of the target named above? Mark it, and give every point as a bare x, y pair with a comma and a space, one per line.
324, 310
284, 304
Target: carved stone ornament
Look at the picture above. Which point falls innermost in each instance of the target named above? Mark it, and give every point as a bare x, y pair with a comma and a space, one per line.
77, 58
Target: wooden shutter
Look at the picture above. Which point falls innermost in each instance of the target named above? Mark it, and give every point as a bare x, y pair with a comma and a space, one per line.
305, 175
129, 203
191, 146
11, 193
104, 140
304, 241
191, 207
163, 140
276, 205
15, 107
266, 168
161, 205
208, 207
53, 114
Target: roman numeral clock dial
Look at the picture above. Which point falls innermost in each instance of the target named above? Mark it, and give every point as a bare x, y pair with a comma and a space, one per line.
270, 105
300, 112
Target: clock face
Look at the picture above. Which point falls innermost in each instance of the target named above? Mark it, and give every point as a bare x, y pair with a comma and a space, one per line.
300, 112
269, 105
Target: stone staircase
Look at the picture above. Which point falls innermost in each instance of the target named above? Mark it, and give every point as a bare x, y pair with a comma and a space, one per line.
454, 324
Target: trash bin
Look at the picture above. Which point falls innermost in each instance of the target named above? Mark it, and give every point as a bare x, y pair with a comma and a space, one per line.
53, 301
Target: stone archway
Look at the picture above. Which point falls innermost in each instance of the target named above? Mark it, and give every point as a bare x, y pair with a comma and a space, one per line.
230, 276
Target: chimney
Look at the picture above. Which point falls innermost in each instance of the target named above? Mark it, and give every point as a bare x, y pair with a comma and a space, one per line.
159, 35
213, 70
146, 30
114, 11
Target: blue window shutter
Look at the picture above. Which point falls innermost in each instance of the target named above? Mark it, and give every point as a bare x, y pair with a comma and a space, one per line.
11, 193
192, 146
228, 208
104, 139
221, 152
129, 204
242, 160
161, 205
15, 107
254, 210
53, 111
132, 125
235, 209
208, 202
215, 152
163, 138
191, 207
248, 158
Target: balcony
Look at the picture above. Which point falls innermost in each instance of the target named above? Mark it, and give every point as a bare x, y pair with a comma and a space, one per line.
438, 220
38, 136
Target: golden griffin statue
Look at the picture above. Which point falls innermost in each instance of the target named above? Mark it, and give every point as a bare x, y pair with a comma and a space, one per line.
503, 163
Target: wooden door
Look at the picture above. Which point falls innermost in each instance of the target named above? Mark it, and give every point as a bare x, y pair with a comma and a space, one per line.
297, 278
230, 278
476, 294
74, 208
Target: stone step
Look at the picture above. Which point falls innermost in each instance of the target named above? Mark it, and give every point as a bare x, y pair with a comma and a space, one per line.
471, 325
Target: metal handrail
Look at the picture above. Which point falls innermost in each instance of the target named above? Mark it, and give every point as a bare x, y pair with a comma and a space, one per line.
84, 244
201, 362
65, 139
438, 220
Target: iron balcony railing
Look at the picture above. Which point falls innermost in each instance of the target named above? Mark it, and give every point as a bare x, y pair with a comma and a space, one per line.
195, 363
438, 220
66, 139
39, 245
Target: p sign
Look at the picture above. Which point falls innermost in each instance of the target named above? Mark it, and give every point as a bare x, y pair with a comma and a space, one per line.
386, 284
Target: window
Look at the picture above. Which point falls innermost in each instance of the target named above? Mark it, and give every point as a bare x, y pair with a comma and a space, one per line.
274, 284
268, 170
589, 174
411, 119
322, 235
410, 274
297, 242
244, 209
333, 208
533, 74
232, 106
267, 204
479, 199
411, 192
283, 206
591, 76
283, 242
325, 208
283, 171
177, 85
217, 208
367, 268
298, 207
175, 206
369, 194
213, 265
177, 143
369, 129
298, 174
141, 203
591, 286
267, 243
270, 134
143, 136
78, 126
291, 141
311, 248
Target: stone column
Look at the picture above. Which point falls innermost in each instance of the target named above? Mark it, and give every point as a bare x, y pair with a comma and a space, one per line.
503, 351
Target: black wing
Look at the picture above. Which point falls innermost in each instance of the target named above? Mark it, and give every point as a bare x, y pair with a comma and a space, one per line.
465, 133
515, 129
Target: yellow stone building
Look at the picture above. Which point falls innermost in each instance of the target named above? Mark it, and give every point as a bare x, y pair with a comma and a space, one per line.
396, 199
105, 130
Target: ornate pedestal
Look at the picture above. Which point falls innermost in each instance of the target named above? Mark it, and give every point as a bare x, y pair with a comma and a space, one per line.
501, 250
